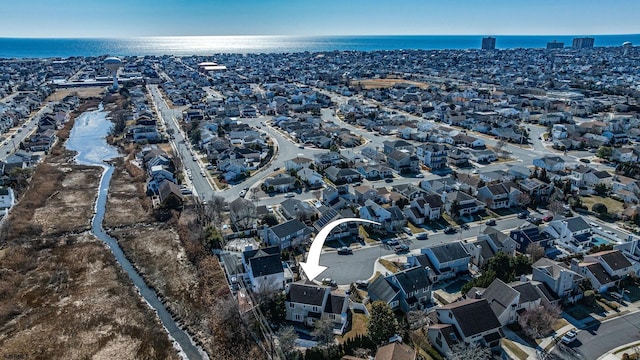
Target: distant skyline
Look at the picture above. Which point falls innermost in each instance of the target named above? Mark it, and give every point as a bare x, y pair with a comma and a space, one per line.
141, 18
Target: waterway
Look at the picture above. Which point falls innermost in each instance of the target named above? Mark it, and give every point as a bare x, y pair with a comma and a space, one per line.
88, 139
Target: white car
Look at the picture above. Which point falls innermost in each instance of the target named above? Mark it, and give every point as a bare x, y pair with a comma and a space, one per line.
569, 337
242, 193
420, 175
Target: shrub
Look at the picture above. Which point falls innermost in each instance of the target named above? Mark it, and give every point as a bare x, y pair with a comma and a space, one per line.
599, 208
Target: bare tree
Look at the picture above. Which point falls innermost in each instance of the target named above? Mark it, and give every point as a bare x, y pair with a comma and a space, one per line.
243, 213
214, 209
523, 199
535, 251
556, 207
500, 144
417, 319
323, 331
464, 351
287, 340
317, 194
538, 322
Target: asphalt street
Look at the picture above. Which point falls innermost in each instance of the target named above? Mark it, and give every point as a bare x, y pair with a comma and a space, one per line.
598, 339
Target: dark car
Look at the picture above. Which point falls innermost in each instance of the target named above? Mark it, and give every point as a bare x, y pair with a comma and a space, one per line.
362, 284
450, 230
393, 242
388, 180
422, 236
491, 222
523, 215
465, 226
345, 250
401, 249
534, 220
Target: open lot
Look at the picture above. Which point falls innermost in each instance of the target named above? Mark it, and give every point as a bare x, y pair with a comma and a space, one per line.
386, 83
62, 295
613, 206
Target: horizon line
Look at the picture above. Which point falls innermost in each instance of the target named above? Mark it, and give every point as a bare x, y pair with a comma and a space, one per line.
303, 36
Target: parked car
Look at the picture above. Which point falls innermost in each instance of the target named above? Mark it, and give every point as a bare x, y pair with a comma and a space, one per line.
289, 195
329, 282
276, 168
421, 175
422, 236
345, 250
450, 230
547, 218
569, 337
523, 215
388, 180
402, 248
534, 220
362, 284
393, 242
407, 230
490, 222
465, 226
242, 193
585, 160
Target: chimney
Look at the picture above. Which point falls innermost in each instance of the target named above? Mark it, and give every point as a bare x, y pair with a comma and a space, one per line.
443, 197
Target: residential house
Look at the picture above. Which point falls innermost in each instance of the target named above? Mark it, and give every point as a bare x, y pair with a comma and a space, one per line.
448, 260
462, 203
458, 157
573, 233
397, 145
341, 176
310, 177
500, 195
560, 279
406, 290
490, 242
263, 269
288, 234
528, 234
280, 183
433, 156
306, 302
507, 301
391, 219
170, 195
403, 161
297, 163
623, 154
468, 321
550, 163
424, 208
536, 189
466, 141
597, 177
395, 351
7, 200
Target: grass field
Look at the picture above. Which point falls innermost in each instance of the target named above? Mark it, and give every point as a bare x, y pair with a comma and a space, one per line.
614, 206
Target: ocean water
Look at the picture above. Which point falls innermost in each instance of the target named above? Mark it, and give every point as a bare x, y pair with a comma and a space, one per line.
207, 45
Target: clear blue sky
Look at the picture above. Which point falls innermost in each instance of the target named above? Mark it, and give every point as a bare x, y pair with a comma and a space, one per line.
131, 18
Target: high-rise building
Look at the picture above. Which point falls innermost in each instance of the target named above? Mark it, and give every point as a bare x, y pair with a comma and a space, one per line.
488, 43
555, 45
583, 43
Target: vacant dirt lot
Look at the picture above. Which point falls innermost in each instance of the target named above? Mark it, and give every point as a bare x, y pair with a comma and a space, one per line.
82, 93
386, 83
